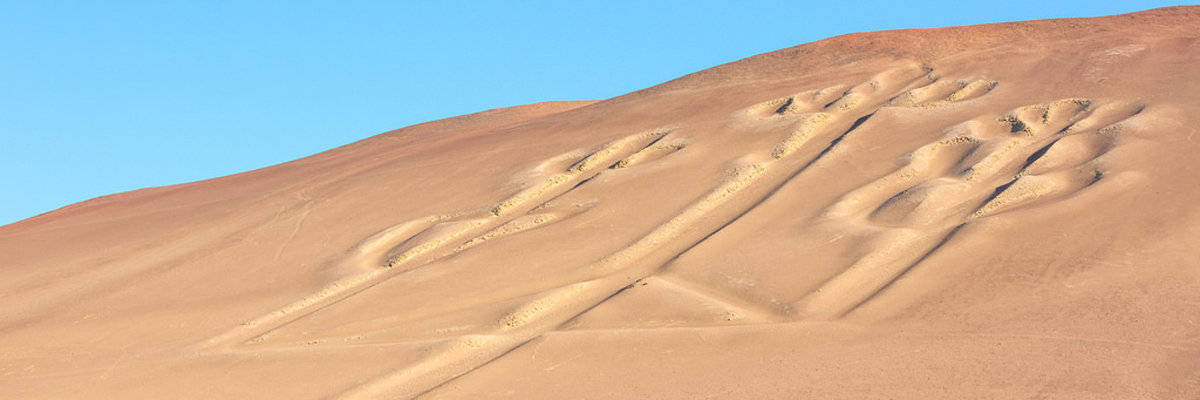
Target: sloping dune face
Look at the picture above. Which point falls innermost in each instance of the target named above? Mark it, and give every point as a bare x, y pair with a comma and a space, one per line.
999, 211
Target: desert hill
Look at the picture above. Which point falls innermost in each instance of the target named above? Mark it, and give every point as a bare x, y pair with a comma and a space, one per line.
994, 211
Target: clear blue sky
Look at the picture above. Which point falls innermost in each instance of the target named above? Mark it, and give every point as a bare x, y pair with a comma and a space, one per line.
100, 97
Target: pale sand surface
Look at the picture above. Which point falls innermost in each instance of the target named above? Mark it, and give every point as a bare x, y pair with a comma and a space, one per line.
997, 211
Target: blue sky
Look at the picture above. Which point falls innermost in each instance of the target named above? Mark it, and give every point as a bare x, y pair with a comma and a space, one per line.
104, 97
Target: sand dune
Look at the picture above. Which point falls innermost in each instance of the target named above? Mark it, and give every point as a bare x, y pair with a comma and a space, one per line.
995, 211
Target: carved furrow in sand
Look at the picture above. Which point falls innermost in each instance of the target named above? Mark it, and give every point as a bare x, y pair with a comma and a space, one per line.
416, 243
755, 178
1031, 155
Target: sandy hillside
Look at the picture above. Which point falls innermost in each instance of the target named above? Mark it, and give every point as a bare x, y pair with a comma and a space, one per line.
998, 211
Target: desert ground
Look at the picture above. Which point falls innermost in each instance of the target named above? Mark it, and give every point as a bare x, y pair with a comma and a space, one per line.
994, 211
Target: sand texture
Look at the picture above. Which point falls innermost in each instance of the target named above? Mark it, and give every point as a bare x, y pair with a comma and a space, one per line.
996, 211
